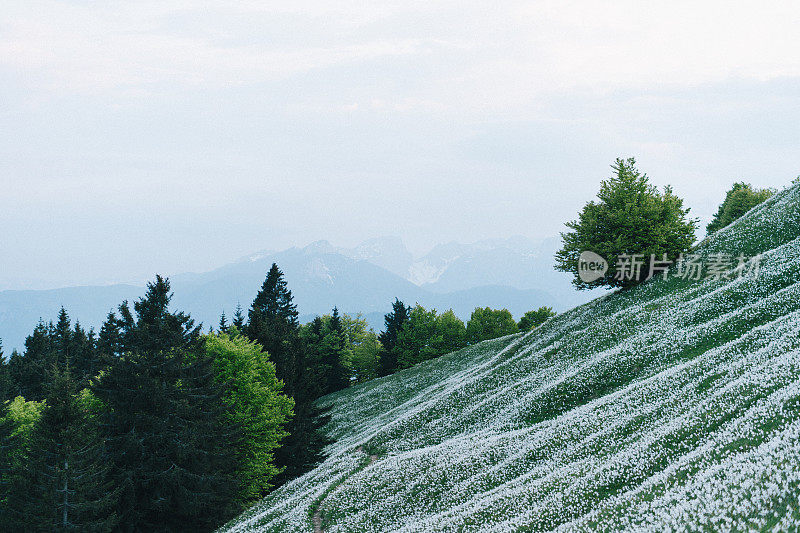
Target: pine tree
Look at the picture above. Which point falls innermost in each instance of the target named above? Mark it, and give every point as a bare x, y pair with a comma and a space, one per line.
109, 341
165, 425
238, 318
29, 372
61, 482
6, 386
272, 323
394, 321
86, 360
223, 323
61, 343
334, 354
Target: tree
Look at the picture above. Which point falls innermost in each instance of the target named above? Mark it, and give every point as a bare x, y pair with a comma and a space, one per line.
17, 420
165, 425
273, 324
451, 334
426, 335
631, 218
29, 372
9, 448
238, 318
358, 357
336, 355
486, 323
394, 322
534, 319
740, 199
52, 347
6, 386
415, 338
363, 347
254, 402
61, 481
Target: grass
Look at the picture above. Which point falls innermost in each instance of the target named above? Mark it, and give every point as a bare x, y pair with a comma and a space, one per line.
675, 405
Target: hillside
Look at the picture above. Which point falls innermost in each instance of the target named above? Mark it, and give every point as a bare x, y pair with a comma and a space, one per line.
675, 404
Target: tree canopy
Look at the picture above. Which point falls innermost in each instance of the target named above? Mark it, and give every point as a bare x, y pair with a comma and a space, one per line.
534, 319
740, 199
630, 218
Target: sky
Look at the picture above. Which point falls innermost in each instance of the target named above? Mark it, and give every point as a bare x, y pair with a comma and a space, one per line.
143, 137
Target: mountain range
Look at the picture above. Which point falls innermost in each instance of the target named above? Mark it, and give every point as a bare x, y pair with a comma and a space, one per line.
514, 273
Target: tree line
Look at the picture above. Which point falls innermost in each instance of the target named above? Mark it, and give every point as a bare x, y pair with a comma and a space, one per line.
152, 424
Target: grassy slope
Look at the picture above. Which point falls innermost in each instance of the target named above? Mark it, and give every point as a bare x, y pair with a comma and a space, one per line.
675, 403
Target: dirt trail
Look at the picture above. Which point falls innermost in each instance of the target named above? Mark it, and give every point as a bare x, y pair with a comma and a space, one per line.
317, 518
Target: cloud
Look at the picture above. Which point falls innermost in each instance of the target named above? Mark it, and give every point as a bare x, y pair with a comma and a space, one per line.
467, 54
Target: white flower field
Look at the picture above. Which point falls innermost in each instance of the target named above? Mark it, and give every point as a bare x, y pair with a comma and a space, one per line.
674, 406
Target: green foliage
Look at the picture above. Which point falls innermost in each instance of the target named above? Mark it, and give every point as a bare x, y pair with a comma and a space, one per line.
486, 323
534, 319
60, 480
631, 217
427, 335
394, 321
740, 199
414, 341
17, 419
362, 348
24, 414
255, 404
272, 323
165, 425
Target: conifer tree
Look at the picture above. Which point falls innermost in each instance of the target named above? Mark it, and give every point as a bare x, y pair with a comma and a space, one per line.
61, 481
238, 318
394, 322
272, 323
334, 354
109, 341
5, 377
30, 371
165, 426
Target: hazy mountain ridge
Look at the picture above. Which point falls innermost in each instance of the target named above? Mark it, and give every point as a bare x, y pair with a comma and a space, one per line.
363, 279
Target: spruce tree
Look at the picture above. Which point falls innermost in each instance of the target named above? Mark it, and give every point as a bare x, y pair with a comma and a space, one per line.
109, 341
6, 385
61, 481
165, 426
334, 354
238, 318
394, 322
272, 323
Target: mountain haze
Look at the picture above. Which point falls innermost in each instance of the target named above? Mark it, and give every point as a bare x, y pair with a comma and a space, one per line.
364, 279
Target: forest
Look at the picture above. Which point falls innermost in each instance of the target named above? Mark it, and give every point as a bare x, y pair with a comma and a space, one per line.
157, 423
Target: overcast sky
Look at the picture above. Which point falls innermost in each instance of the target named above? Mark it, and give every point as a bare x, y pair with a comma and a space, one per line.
142, 137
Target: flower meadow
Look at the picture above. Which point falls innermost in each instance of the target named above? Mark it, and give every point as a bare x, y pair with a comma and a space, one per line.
674, 406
